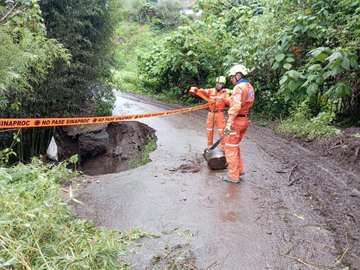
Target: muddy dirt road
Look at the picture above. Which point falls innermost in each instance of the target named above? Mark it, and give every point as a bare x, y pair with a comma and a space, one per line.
272, 220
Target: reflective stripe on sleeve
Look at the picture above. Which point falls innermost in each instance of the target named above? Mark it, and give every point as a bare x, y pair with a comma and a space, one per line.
232, 145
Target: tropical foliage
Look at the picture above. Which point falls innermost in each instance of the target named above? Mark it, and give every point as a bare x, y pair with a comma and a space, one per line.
55, 61
301, 52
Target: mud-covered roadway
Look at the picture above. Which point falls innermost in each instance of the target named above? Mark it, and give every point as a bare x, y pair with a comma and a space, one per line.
294, 210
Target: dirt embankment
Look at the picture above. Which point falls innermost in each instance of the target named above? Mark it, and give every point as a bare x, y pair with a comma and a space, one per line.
105, 148
343, 148
326, 172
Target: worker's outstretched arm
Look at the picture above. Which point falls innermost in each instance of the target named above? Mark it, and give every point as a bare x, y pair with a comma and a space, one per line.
200, 92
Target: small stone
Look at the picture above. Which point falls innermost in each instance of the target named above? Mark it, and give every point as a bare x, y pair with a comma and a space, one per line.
355, 193
97, 182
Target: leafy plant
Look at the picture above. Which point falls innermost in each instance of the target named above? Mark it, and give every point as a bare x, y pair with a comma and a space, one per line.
38, 231
144, 158
55, 61
189, 56
302, 125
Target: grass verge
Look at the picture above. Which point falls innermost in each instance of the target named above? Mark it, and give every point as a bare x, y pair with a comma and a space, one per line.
302, 126
144, 156
38, 230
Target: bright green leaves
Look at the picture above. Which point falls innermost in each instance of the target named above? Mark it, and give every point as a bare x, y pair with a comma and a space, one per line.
339, 90
312, 89
299, 52
26, 54
287, 66
280, 57
185, 57
283, 61
325, 74
320, 54
295, 75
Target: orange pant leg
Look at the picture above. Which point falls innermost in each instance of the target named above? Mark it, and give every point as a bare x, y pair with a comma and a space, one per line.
232, 148
220, 126
210, 128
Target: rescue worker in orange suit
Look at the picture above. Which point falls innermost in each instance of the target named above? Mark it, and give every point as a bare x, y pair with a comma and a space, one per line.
241, 101
217, 98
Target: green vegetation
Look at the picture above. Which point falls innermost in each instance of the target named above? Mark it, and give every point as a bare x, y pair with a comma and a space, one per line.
85, 28
55, 61
161, 15
38, 231
144, 23
302, 125
304, 56
133, 40
145, 155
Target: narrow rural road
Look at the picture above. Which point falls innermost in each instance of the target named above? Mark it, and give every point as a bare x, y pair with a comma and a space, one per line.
268, 221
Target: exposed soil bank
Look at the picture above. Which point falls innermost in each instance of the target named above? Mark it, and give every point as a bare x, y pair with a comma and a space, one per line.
105, 148
344, 148
326, 172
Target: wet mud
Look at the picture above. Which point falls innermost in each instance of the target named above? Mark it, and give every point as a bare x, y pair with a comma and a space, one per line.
294, 210
329, 180
344, 148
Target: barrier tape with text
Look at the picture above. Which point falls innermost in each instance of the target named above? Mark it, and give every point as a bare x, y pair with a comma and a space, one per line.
10, 123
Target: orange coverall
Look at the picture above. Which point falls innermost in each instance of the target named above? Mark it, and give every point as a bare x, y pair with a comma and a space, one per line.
217, 103
241, 101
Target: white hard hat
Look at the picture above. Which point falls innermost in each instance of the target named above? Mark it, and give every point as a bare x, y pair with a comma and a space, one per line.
238, 69
221, 79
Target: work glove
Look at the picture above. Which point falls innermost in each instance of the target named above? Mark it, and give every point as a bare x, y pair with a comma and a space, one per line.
193, 90
228, 129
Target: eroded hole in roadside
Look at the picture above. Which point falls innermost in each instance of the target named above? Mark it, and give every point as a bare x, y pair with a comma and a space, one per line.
106, 148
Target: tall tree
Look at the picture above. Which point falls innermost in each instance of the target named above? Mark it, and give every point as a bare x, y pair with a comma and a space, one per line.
85, 28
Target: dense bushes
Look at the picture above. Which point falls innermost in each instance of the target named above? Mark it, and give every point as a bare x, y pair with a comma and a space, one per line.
27, 55
303, 52
189, 56
161, 15
85, 28
55, 61
52, 55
